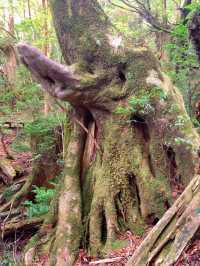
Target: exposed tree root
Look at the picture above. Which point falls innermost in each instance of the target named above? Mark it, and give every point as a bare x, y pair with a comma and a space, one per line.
102, 216
165, 243
68, 230
14, 225
105, 261
41, 243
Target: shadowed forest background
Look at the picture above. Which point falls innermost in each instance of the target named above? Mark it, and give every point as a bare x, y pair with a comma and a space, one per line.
99, 132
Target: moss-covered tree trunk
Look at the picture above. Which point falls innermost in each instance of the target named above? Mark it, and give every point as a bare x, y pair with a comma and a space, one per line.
129, 140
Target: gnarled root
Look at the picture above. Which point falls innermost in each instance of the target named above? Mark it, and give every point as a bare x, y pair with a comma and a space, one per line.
102, 216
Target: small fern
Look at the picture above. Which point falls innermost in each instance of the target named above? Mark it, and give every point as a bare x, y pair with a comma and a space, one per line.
41, 203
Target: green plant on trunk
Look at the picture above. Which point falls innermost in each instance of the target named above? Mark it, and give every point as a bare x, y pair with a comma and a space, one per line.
142, 104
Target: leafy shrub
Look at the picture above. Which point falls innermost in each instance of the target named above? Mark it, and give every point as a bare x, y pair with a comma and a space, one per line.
182, 66
42, 128
42, 125
20, 147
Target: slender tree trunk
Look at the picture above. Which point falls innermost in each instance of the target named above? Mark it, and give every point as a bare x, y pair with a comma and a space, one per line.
9, 67
29, 8
24, 9
47, 98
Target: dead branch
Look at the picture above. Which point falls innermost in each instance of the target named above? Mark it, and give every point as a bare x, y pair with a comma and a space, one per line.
143, 9
13, 212
105, 260
5, 220
8, 32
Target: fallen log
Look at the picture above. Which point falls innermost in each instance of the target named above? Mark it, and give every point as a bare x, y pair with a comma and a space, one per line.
170, 236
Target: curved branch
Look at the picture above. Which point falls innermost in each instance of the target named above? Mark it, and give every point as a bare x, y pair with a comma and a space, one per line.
8, 32
63, 82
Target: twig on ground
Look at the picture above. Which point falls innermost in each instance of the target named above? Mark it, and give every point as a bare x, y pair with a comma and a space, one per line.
105, 260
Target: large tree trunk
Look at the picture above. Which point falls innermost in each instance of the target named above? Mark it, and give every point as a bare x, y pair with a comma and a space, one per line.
122, 159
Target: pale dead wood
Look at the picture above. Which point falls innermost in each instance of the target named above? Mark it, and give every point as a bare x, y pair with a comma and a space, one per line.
105, 260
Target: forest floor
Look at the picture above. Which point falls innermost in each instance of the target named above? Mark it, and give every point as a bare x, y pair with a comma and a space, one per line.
125, 245
190, 257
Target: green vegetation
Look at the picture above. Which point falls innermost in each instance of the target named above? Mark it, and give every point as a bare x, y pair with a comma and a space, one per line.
41, 204
144, 104
9, 261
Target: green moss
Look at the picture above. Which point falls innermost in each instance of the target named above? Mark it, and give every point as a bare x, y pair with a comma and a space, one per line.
119, 244
139, 63
139, 229
144, 103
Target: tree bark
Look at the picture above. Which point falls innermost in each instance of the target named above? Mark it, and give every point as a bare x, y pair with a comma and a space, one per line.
120, 166
80, 26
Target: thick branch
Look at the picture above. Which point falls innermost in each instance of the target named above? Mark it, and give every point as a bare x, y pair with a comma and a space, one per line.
46, 71
63, 82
